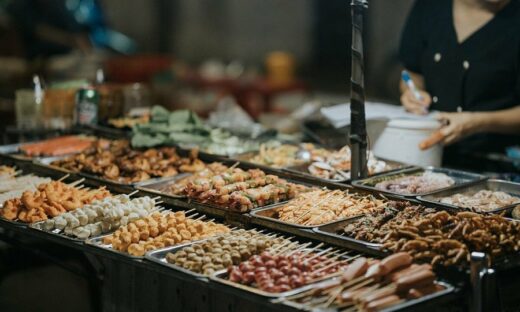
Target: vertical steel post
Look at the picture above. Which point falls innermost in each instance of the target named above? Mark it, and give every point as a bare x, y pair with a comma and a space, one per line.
358, 131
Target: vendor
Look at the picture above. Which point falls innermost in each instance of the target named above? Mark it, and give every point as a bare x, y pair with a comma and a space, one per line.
464, 57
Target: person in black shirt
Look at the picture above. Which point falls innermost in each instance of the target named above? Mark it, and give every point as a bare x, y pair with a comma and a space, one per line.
464, 57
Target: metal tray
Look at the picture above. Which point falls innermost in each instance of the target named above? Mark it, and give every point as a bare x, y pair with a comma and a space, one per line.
12, 151
268, 213
330, 231
303, 170
98, 242
460, 177
220, 276
159, 256
58, 233
45, 163
17, 223
492, 185
428, 299
155, 187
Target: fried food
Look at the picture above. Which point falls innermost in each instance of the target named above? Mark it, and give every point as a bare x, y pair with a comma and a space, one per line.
481, 201
6, 172
437, 237
13, 187
416, 184
101, 216
59, 146
159, 230
119, 162
241, 190
178, 186
49, 200
388, 286
324, 206
219, 253
284, 155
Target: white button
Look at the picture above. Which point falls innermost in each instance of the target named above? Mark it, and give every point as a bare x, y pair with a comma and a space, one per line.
435, 99
437, 57
465, 64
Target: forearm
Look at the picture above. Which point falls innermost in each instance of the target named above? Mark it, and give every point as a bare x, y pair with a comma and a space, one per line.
505, 121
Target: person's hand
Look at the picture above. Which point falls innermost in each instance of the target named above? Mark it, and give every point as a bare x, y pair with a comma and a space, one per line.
459, 125
414, 105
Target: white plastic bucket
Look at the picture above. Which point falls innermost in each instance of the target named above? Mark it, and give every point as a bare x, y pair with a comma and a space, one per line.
400, 140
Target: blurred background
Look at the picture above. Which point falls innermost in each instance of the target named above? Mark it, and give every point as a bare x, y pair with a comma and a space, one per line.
190, 53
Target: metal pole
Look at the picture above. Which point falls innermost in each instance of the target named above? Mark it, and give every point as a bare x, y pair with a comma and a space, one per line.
358, 131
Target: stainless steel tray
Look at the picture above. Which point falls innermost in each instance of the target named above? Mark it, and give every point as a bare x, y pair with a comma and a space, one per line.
492, 185
432, 298
268, 213
460, 177
155, 187
98, 242
303, 170
220, 277
37, 226
331, 232
14, 222
45, 163
12, 151
159, 256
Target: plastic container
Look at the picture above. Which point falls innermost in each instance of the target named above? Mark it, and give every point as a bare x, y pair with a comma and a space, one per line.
400, 142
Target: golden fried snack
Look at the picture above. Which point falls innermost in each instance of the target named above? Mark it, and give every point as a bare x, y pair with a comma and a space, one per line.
160, 230
324, 206
119, 162
49, 200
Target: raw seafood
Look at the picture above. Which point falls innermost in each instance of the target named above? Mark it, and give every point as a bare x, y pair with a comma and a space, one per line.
160, 230
483, 200
241, 190
221, 252
324, 206
101, 216
119, 162
416, 184
49, 200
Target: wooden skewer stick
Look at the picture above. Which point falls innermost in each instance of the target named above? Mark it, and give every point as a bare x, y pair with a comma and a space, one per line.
191, 210
285, 247
280, 246
320, 253
135, 192
302, 247
77, 182
64, 177
289, 247
307, 252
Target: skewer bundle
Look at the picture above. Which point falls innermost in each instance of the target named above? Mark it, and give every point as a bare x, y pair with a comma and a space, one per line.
288, 266
101, 216
159, 230
241, 190
370, 285
50, 200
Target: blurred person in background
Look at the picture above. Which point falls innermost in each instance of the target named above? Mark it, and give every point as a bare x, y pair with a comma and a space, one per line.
464, 57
